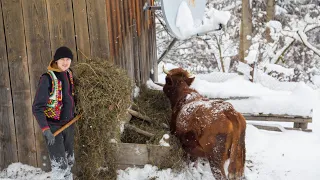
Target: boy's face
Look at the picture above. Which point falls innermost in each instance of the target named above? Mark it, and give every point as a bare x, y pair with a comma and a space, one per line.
64, 63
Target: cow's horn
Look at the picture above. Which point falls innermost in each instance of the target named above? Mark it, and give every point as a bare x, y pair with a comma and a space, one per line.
164, 70
190, 75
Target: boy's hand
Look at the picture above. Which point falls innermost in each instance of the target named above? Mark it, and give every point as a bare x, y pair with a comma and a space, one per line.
49, 136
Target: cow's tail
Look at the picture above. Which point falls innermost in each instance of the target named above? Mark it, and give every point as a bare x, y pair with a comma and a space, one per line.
238, 147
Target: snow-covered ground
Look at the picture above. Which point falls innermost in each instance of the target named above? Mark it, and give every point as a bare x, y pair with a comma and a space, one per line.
288, 155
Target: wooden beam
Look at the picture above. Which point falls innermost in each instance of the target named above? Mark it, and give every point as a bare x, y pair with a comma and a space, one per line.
138, 130
139, 115
277, 128
276, 117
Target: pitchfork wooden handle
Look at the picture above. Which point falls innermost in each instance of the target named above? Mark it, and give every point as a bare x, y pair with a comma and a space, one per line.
67, 125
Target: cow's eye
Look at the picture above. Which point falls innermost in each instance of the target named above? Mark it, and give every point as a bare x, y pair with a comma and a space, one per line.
168, 81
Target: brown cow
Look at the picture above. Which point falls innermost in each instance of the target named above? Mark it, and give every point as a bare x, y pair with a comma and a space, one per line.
206, 128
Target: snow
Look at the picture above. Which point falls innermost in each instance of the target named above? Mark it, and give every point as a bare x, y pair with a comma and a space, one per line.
280, 10
164, 140
23, 172
280, 69
187, 27
304, 39
297, 100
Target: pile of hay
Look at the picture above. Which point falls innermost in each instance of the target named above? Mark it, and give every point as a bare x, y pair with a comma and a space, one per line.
103, 94
155, 105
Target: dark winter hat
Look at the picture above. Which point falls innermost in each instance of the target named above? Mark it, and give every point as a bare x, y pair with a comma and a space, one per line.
63, 52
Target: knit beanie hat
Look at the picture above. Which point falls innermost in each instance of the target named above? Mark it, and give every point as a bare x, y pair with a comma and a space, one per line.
63, 52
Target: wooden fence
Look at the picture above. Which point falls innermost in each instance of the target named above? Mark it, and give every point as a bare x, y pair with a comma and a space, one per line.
31, 30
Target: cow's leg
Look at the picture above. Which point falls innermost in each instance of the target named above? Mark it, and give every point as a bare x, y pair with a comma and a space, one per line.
219, 156
237, 159
216, 166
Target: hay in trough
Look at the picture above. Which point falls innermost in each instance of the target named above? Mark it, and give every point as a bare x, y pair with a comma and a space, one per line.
155, 105
103, 94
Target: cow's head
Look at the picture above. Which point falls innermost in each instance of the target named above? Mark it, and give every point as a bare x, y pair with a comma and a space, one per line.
176, 80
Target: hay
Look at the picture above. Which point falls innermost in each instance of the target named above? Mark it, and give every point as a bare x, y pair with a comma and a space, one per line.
103, 94
155, 105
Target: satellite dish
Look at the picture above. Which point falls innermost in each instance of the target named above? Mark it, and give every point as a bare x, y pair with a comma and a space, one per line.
173, 9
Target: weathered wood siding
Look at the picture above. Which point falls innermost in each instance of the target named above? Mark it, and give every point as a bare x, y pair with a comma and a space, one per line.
30, 31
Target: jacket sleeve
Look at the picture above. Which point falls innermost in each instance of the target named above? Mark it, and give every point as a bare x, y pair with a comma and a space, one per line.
40, 101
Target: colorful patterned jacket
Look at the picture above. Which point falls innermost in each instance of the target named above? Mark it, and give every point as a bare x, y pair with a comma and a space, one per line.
54, 100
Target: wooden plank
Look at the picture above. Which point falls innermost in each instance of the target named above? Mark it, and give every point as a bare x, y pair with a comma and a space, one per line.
131, 154
136, 54
119, 35
8, 146
143, 46
298, 129
110, 30
61, 25
129, 61
126, 17
129, 55
157, 154
20, 84
114, 27
119, 24
280, 118
81, 29
138, 18
98, 28
123, 33
267, 127
154, 50
39, 55
277, 128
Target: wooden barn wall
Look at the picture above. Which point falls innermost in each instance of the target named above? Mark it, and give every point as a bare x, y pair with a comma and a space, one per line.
30, 31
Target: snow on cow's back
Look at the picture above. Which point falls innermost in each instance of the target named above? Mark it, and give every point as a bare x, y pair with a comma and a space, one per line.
203, 111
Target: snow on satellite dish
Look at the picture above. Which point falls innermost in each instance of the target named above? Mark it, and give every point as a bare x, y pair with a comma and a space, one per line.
185, 18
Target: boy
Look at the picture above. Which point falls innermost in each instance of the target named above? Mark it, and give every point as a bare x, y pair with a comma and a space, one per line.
53, 107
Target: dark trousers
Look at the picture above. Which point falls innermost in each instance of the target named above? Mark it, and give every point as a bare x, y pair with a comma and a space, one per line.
61, 152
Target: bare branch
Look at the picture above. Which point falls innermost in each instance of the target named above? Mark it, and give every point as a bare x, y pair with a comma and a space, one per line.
306, 43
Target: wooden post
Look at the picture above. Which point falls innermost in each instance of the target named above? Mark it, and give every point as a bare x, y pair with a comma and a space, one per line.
39, 55
303, 126
8, 141
136, 53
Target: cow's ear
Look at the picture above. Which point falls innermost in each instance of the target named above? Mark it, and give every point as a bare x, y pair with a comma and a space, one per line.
168, 81
189, 81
